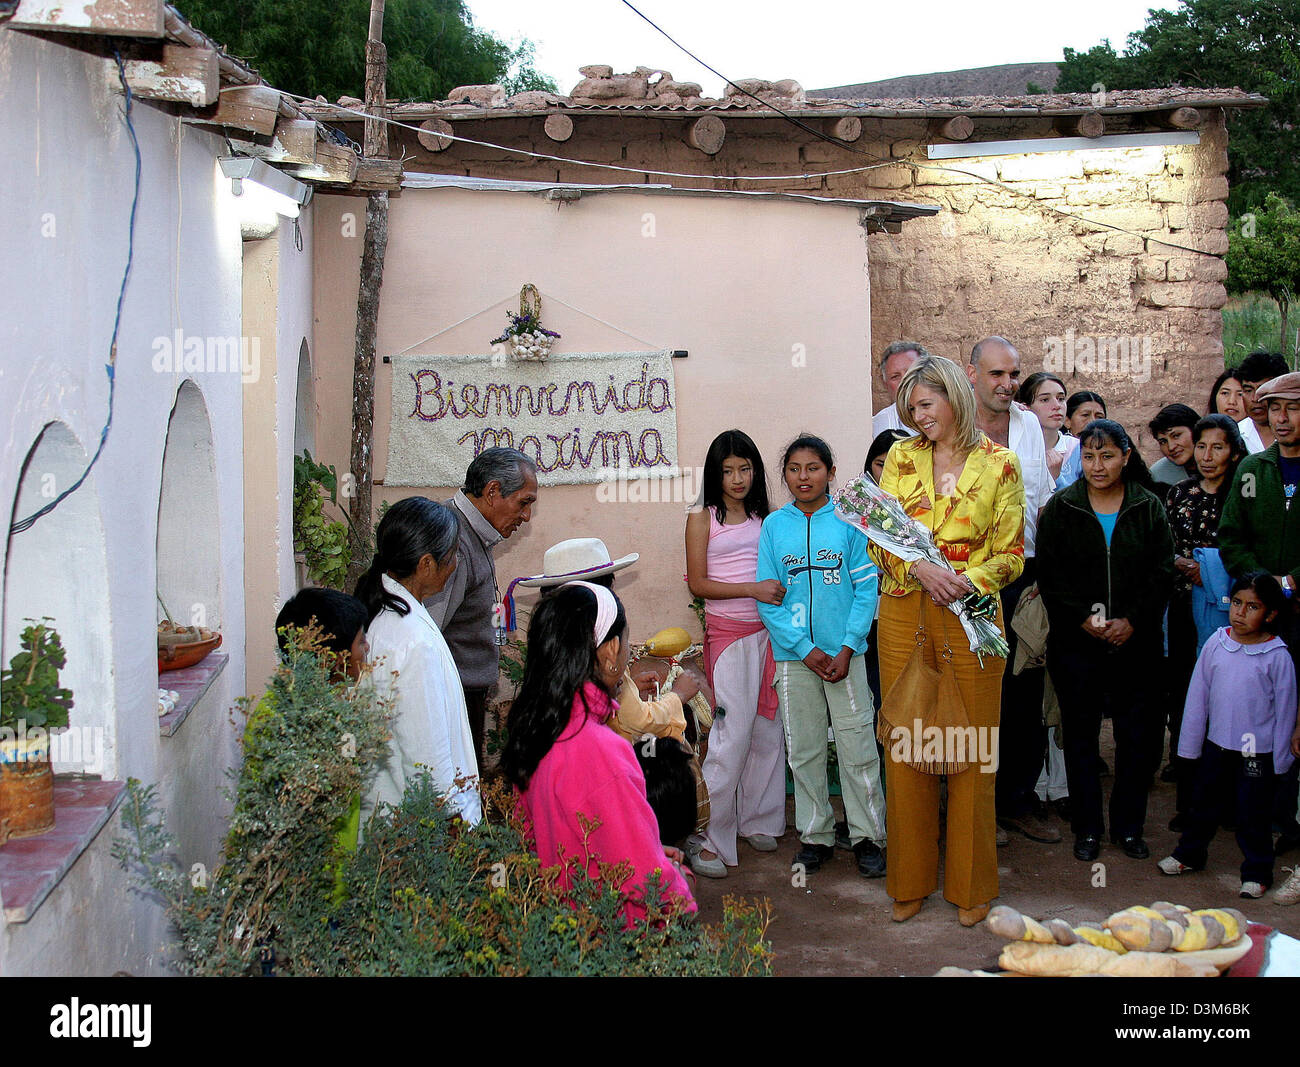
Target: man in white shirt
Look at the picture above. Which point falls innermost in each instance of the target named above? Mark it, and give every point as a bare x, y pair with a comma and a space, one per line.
1256, 369
994, 373
894, 363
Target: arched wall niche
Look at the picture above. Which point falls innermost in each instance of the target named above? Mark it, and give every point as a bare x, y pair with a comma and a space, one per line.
58, 568
189, 537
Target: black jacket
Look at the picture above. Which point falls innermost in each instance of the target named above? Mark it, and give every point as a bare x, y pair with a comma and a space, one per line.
1078, 576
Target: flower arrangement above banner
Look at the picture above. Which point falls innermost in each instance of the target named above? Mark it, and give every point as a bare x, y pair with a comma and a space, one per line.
526, 336
582, 417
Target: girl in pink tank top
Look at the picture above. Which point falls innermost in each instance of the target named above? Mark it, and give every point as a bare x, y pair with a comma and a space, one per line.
745, 764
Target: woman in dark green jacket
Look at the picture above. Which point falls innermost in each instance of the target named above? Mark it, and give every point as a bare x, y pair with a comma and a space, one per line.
1105, 572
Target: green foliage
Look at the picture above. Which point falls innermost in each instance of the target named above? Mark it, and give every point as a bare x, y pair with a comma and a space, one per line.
29, 686
312, 48
422, 895
1264, 254
514, 655
1218, 43
1251, 322
323, 542
306, 748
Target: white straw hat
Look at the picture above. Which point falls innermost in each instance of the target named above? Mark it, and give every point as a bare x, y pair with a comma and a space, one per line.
578, 557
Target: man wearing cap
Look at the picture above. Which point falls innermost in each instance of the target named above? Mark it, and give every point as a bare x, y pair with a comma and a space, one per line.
587, 559
498, 497
1260, 531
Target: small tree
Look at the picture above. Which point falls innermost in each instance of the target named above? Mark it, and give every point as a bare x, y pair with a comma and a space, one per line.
1264, 255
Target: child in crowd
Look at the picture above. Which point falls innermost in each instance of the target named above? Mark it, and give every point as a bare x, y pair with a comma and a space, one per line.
669, 786
342, 621
819, 631
1239, 717
745, 764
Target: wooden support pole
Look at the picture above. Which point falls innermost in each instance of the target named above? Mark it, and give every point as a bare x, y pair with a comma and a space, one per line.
558, 127
1091, 125
1184, 118
957, 128
707, 134
431, 134
361, 508
848, 128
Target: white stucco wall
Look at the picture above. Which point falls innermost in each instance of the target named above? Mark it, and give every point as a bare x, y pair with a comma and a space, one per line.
68, 175
278, 407
769, 297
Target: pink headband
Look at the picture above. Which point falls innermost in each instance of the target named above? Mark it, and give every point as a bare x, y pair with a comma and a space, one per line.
606, 609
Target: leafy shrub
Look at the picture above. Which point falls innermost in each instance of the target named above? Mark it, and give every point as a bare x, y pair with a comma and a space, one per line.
323, 542
422, 895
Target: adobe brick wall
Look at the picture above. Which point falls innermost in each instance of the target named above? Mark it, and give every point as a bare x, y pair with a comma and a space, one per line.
997, 259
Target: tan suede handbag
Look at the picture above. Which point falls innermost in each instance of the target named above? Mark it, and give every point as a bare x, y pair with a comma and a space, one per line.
919, 717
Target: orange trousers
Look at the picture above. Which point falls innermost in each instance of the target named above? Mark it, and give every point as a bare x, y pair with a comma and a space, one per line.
912, 797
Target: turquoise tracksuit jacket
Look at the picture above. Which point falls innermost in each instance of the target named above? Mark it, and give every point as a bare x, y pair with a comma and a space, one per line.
831, 584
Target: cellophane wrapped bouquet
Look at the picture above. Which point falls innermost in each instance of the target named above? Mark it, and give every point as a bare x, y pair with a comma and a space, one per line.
878, 514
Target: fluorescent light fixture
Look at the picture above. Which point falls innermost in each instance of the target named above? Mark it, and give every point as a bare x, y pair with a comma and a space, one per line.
949, 150
271, 188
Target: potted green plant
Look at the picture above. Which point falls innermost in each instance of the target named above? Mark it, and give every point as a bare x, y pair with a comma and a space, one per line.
32, 703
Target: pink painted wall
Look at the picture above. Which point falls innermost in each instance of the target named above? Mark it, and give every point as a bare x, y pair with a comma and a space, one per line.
769, 297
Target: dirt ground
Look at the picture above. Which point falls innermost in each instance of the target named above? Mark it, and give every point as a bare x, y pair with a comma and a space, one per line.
839, 924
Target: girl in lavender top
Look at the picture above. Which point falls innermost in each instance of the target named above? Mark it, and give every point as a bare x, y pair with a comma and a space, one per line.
1238, 720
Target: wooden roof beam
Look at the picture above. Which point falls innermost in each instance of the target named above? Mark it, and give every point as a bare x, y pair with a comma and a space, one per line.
185, 75
113, 18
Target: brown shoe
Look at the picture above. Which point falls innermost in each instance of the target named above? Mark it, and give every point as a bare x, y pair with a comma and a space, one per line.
905, 909
971, 916
1035, 827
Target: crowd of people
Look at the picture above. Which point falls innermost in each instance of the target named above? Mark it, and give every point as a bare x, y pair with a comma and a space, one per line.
1162, 599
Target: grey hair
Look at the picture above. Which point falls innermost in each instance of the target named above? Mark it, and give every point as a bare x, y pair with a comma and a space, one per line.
993, 340
508, 466
901, 346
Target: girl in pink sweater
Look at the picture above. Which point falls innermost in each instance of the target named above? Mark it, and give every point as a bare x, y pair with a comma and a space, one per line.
581, 788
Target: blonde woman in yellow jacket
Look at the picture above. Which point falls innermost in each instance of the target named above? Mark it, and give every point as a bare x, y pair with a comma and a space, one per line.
968, 492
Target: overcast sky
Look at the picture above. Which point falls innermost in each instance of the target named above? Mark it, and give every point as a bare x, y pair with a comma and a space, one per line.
834, 42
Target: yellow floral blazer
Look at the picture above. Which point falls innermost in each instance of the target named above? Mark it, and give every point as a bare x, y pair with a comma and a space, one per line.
980, 528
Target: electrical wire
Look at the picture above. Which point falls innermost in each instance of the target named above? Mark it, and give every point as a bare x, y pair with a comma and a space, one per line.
813, 175
23, 525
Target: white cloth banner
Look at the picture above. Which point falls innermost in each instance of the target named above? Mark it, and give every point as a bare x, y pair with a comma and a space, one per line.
582, 417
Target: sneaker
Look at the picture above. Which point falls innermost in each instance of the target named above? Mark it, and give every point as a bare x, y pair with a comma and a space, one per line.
811, 857
761, 842
1172, 866
1289, 891
871, 859
706, 868
1251, 890
842, 839
1033, 826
